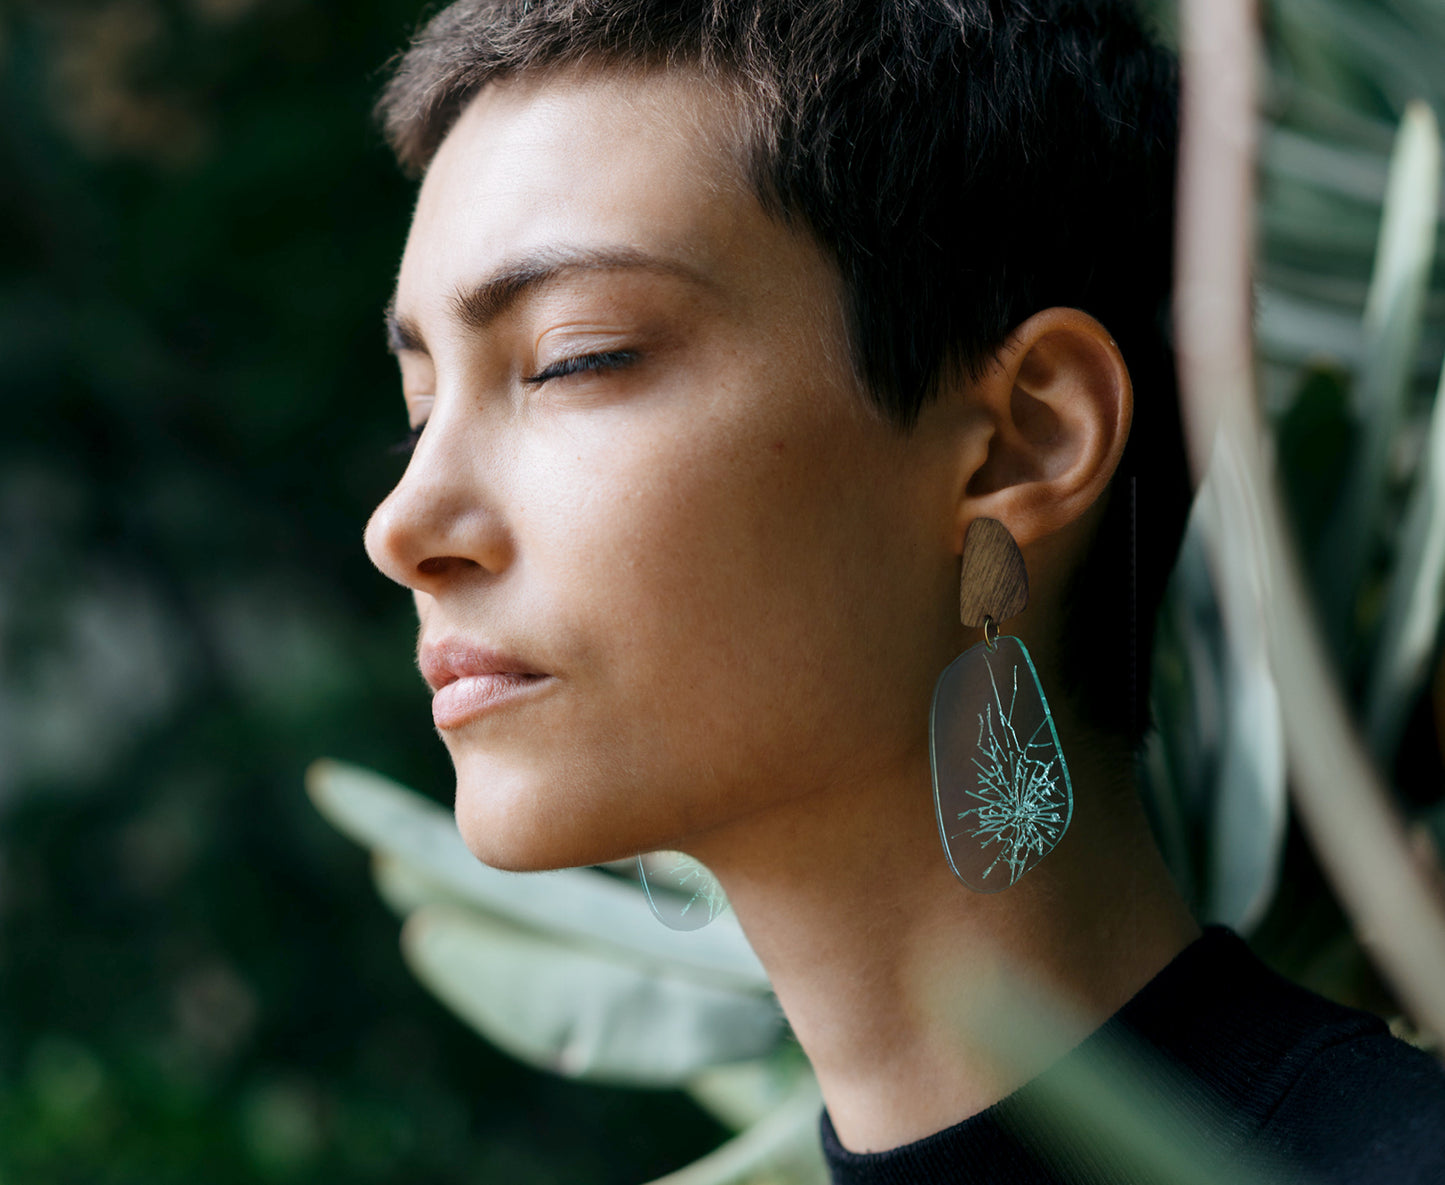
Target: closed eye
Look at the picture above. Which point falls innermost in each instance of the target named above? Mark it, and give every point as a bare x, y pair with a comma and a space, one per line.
608, 360
582, 363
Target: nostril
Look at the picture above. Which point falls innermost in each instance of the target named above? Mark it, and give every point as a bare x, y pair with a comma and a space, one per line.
440, 565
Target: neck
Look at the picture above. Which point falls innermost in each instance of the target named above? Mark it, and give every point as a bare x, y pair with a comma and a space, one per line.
877, 952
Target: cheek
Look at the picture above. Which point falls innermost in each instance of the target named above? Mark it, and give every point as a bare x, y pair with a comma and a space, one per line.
744, 609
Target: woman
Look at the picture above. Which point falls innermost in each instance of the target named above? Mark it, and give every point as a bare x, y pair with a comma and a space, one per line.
763, 358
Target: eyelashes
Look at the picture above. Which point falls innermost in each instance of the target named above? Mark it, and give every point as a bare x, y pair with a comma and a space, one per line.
607, 360
581, 364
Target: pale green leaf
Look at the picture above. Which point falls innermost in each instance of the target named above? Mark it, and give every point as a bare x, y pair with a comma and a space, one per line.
1392, 324
579, 1012
743, 1093
782, 1148
1119, 1100
580, 904
405, 888
1250, 805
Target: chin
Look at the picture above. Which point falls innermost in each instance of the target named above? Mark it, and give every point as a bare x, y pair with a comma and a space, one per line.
523, 823
509, 857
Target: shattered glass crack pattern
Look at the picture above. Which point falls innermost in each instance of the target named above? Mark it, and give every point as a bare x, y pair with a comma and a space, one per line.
1020, 801
1001, 785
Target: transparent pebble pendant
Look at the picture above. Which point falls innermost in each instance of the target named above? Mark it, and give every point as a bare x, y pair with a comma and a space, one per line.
1000, 784
682, 893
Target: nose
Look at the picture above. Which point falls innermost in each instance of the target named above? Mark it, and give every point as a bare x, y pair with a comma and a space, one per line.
440, 523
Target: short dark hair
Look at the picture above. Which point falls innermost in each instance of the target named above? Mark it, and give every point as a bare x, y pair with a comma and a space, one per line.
966, 163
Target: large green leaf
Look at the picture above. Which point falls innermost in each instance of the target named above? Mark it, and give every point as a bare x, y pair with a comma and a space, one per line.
1217, 699
1297, 100
1365, 39
1113, 1102
1306, 332
741, 1094
1306, 227
781, 1149
1355, 173
406, 888
1427, 17
1250, 806
1251, 809
1393, 316
1416, 600
580, 904
581, 1013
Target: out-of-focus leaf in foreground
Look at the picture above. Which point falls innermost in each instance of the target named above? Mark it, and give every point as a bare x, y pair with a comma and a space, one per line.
581, 904
580, 1012
569, 972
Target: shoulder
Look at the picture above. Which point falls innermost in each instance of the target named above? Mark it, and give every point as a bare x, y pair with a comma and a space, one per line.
1363, 1108
1303, 1082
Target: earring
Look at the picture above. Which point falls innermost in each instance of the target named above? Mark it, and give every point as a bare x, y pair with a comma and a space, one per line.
1000, 783
681, 892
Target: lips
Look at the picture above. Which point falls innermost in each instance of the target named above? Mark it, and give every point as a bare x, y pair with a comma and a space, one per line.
471, 680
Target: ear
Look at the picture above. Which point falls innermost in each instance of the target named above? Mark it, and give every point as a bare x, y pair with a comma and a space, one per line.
1047, 425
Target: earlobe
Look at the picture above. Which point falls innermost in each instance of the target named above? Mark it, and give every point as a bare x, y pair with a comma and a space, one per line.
1059, 404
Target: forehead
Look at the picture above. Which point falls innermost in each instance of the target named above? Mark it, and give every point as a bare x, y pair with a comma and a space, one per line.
590, 161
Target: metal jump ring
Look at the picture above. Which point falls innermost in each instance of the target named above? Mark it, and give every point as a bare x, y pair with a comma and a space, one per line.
990, 633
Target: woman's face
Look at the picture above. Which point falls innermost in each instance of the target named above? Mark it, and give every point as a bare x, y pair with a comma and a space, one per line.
671, 570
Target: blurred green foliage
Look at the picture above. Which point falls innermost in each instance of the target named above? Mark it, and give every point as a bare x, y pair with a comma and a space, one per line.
199, 229
196, 983
1350, 331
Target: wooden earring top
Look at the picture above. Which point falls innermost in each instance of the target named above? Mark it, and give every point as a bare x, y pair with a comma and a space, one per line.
995, 582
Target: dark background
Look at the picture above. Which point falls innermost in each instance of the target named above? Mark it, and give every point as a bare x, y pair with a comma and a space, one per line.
200, 227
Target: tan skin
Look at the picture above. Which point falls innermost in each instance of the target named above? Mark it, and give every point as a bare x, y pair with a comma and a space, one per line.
740, 582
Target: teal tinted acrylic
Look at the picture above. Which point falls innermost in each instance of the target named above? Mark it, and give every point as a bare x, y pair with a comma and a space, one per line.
1001, 786
682, 893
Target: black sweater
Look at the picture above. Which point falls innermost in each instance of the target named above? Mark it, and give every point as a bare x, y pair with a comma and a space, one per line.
1322, 1093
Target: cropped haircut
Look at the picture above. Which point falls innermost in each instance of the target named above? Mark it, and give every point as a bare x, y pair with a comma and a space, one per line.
965, 163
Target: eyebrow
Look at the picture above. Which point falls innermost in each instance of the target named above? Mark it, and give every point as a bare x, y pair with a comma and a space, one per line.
478, 305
